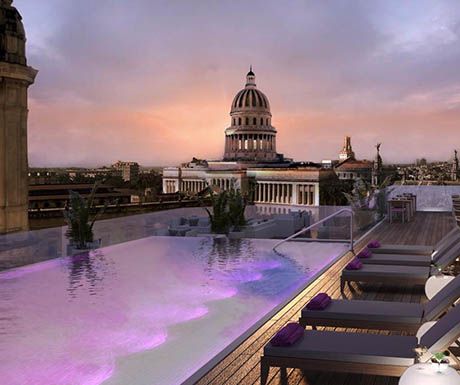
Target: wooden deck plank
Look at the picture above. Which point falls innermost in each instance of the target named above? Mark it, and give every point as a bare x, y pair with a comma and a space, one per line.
241, 366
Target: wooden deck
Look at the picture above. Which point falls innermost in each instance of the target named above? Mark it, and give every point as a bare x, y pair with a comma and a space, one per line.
242, 365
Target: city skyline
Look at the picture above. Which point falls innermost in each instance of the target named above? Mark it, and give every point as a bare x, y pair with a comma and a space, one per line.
148, 85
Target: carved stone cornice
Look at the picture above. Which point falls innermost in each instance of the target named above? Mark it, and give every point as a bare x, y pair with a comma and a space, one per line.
18, 72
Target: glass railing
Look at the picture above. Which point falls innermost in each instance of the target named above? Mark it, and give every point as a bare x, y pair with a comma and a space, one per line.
264, 221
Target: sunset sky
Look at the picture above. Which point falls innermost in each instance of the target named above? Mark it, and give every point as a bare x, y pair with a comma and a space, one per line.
152, 81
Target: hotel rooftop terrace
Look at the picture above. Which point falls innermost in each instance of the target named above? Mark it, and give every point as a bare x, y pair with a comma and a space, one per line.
151, 299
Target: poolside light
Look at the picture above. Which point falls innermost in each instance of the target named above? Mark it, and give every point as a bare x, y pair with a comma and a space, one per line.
429, 374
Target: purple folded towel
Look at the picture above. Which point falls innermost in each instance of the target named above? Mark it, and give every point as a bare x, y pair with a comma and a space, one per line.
365, 253
319, 302
355, 264
374, 244
288, 335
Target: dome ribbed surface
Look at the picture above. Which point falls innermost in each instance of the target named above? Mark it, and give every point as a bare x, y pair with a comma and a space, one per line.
250, 98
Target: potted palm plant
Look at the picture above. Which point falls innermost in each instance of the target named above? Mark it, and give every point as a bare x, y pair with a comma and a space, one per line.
227, 212
77, 215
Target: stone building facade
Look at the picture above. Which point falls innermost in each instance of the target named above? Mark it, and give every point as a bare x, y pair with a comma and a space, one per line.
15, 78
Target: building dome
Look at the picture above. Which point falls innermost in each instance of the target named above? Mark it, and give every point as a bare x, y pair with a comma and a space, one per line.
250, 98
250, 136
12, 35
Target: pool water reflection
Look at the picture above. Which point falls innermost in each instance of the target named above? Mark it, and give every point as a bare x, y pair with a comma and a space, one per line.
149, 311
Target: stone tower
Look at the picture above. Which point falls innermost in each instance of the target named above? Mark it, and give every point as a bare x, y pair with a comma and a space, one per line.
347, 150
15, 78
455, 172
251, 136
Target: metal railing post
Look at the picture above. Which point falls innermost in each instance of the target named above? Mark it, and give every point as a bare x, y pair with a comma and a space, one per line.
351, 232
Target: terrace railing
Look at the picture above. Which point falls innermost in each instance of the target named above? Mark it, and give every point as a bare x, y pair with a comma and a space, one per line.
307, 228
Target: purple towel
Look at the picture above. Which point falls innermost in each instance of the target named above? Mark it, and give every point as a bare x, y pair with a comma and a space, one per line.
319, 302
365, 253
288, 335
355, 264
374, 244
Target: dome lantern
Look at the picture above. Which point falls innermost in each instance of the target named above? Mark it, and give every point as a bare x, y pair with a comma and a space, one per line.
250, 78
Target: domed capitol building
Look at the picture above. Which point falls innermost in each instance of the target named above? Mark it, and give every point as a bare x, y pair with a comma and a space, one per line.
251, 162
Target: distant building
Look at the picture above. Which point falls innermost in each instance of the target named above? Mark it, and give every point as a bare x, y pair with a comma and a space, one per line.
251, 162
352, 169
42, 176
129, 170
49, 196
16, 77
349, 168
347, 151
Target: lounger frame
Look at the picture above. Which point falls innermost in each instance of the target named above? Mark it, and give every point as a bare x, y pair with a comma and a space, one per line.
266, 362
282, 362
367, 324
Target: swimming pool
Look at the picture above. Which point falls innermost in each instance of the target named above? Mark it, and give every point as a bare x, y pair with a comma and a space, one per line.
147, 312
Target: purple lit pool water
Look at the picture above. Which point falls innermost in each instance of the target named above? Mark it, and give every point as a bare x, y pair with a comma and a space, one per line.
147, 312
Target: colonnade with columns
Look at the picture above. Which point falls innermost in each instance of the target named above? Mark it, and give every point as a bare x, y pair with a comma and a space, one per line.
286, 193
193, 186
250, 142
169, 186
224, 183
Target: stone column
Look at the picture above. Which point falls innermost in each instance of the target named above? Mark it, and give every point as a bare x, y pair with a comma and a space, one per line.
15, 79
316, 193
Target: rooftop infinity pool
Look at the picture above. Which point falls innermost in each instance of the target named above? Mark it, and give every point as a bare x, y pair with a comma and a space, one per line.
147, 312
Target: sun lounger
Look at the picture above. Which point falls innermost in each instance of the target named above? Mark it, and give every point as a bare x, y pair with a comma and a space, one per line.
408, 259
405, 259
413, 275
419, 249
375, 354
384, 315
